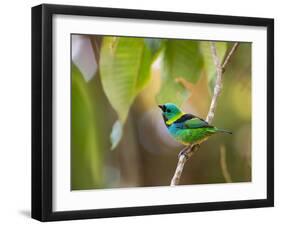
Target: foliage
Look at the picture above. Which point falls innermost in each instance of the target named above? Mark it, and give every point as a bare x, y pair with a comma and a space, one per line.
181, 59
86, 153
124, 69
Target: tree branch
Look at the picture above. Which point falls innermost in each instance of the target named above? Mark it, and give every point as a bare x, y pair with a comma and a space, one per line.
227, 59
218, 84
184, 155
188, 151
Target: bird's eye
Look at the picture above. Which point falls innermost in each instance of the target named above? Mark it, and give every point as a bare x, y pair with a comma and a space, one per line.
168, 110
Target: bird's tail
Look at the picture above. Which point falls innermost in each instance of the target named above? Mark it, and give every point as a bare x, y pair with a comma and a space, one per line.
223, 131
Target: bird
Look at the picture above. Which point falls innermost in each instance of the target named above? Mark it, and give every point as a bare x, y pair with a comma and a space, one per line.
186, 128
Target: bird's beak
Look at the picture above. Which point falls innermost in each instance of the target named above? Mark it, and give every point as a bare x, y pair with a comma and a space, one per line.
161, 107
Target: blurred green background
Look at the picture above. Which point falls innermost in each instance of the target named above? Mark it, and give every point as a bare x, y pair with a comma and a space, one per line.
118, 137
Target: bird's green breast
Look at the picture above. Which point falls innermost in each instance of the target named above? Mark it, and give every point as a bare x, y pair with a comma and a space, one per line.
187, 136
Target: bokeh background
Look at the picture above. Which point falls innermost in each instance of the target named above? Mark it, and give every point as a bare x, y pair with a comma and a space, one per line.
118, 138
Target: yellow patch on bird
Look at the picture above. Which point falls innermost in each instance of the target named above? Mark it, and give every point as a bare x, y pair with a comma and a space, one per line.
175, 118
195, 143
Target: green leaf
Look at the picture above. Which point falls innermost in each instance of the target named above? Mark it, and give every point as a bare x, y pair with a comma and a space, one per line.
209, 65
125, 70
171, 92
86, 158
181, 59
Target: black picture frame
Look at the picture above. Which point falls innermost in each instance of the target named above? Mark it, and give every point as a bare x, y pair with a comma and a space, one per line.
42, 85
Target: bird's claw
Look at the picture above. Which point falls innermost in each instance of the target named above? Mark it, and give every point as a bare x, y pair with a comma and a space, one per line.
183, 152
186, 150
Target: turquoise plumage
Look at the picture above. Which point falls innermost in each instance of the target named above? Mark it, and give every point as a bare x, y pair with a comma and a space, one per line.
186, 128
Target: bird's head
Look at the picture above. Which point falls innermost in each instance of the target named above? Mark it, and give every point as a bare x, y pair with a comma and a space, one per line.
170, 111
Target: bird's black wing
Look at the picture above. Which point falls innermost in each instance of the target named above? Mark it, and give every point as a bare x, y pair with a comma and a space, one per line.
191, 121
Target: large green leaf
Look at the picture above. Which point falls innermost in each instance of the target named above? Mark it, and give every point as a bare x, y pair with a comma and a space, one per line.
125, 70
209, 65
181, 59
86, 156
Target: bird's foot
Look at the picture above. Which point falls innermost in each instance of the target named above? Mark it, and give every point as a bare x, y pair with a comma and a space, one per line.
188, 149
184, 151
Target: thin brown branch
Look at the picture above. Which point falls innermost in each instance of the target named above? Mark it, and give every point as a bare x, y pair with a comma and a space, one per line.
223, 164
188, 151
176, 178
228, 57
218, 84
96, 45
185, 154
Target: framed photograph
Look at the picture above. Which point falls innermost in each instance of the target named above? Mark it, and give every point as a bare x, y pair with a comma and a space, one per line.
146, 112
